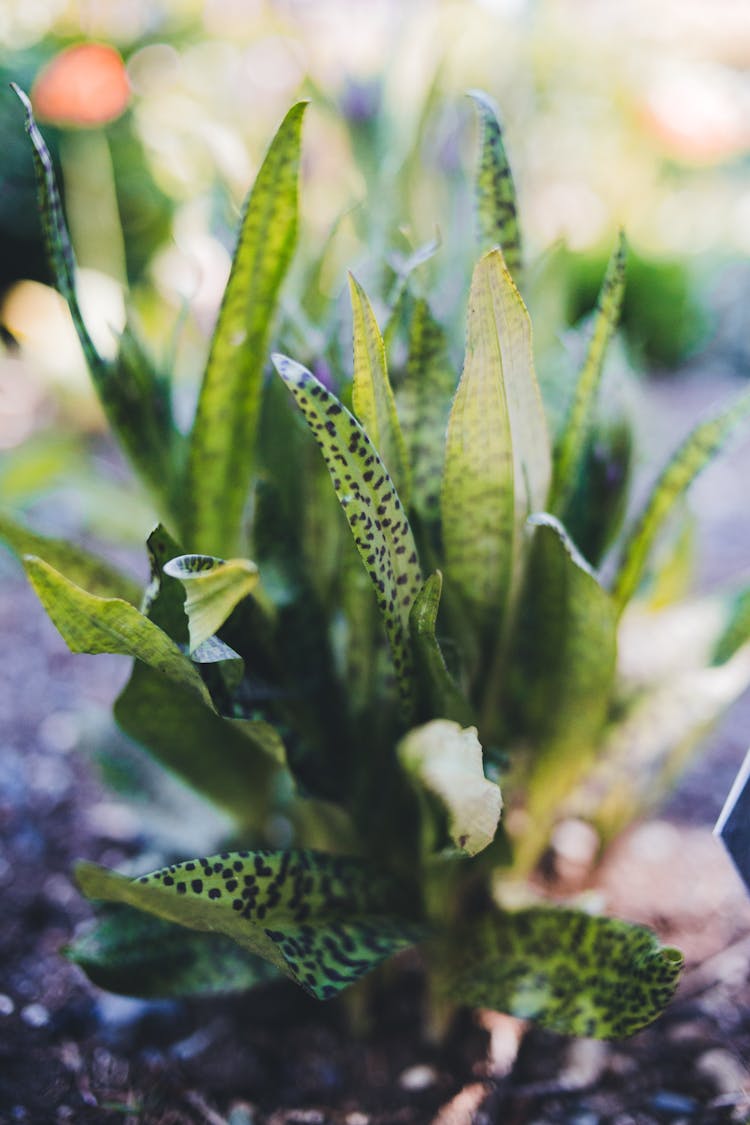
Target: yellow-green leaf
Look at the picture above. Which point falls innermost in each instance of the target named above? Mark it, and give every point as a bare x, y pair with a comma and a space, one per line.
213, 587
497, 214
698, 449
322, 920
497, 464
372, 395
447, 761
92, 624
372, 507
438, 694
81, 566
572, 973
571, 449
222, 442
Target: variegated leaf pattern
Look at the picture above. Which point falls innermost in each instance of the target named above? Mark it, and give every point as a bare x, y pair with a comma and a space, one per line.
222, 443
322, 920
497, 209
372, 394
572, 973
372, 507
571, 448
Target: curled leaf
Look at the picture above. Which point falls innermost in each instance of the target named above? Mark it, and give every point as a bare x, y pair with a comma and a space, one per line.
447, 761
213, 588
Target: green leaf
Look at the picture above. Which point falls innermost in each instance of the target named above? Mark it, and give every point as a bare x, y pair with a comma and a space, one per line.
438, 694
424, 401
372, 395
736, 631
222, 443
213, 588
570, 453
497, 214
131, 394
572, 973
698, 449
232, 762
562, 670
82, 567
139, 954
565, 643
322, 920
497, 463
447, 762
372, 507
164, 603
92, 624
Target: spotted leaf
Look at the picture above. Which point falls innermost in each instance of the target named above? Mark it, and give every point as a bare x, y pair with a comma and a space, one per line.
424, 400
213, 588
222, 442
372, 395
322, 920
698, 449
497, 213
571, 449
372, 507
497, 462
572, 973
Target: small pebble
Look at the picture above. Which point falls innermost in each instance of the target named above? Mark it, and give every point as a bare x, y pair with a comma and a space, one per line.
666, 1101
418, 1078
357, 1118
35, 1015
7, 1007
241, 1115
724, 1070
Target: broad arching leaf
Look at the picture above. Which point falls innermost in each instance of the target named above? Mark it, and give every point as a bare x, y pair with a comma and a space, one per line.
572, 973
497, 463
322, 920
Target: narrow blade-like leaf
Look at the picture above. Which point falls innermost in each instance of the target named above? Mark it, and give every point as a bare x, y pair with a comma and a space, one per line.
131, 393
322, 920
571, 449
497, 463
372, 507
497, 212
424, 401
572, 973
81, 566
222, 443
139, 954
92, 624
698, 449
439, 697
372, 395
446, 761
213, 588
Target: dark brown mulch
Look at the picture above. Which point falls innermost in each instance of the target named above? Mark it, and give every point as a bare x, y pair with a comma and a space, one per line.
70, 1053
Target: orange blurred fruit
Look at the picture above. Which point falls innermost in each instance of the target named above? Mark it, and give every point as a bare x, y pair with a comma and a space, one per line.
84, 85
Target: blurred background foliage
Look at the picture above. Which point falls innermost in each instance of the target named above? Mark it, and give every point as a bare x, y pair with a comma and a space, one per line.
634, 115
